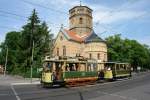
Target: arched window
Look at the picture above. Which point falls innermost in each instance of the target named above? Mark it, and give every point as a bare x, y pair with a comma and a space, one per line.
57, 51
61, 38
90, 56
80, 20
105, 57
64, 50
98, 56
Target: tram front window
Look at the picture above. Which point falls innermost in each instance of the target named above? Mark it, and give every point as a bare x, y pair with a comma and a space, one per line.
109, 66
47, 66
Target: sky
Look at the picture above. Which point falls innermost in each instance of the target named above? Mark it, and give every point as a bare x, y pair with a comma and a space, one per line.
130, 18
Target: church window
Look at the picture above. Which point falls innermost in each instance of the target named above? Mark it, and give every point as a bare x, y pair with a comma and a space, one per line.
90, 56
105, 57
64, 50
72, 11
72, 21
57, 51
88, 11
61, 38
80, 9
98, 56
80, 20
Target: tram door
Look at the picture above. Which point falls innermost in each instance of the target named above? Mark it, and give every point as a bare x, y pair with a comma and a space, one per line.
58, 70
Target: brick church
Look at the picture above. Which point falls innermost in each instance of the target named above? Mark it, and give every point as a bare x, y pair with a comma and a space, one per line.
80, 39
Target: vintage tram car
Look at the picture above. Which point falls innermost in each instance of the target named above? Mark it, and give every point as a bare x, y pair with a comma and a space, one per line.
73, 71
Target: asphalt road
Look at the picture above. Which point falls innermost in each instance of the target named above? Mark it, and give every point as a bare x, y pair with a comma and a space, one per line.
136, 88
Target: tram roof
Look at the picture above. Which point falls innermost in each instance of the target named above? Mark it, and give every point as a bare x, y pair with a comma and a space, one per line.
82, 61
73, 61
117, 62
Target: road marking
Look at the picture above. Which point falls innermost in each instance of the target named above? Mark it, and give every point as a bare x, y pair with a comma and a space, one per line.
15, 93
116, 95
34, 83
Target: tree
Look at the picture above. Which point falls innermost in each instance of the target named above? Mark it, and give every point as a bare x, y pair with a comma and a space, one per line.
126, 50
12, 42
20, 45
1, 54
35, 32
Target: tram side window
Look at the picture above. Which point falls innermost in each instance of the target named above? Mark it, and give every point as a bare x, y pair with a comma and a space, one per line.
112, 67
71, 67
117, 67
67, 67
122, 67
91, 67
125, 67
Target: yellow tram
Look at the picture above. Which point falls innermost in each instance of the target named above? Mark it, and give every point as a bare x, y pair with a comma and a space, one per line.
73, 71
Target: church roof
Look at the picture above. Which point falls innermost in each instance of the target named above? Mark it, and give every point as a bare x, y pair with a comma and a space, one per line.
88, 37
75, 37
93, 37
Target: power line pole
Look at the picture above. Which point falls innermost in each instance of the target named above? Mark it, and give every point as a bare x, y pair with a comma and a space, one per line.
32, 45
32, 60
6, 61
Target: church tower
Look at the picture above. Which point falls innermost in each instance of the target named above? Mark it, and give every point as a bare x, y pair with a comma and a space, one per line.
80, 20
80, 39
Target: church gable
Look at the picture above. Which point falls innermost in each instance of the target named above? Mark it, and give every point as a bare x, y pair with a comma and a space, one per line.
64, 46
61, 37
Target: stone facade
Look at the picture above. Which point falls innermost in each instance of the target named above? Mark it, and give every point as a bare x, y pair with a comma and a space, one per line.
80, 39
72, 48
80, 19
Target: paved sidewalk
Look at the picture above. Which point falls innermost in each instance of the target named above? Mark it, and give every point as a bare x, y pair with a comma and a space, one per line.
15, 80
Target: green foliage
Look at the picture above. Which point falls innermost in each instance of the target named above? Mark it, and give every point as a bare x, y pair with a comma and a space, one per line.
126, 50
20, 46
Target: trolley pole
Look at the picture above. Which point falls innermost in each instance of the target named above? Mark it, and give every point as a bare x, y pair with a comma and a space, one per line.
6, 61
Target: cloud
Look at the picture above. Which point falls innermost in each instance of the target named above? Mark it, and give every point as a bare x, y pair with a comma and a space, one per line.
58, 4
129, 10
106, 17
